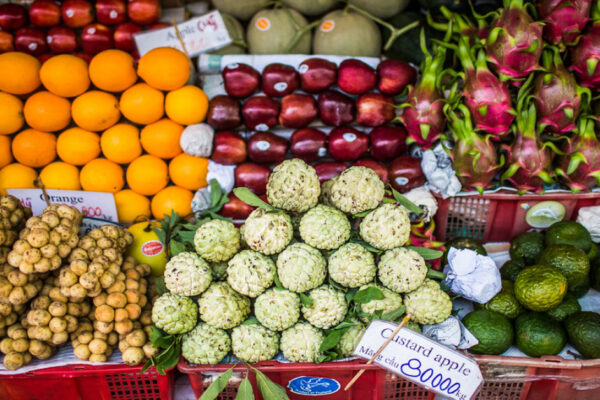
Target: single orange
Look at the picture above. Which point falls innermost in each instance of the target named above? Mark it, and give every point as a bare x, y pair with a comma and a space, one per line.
5, 154
77, 146
188, 171
172, 198
60, 175
65, 75
164, 68
112, 70
95, 110
47, 112
20, 73
147, 175
161, 139
11, 114
131, 205
187, 105
17, 176
142, 104
101, 175
121, 143
34, 148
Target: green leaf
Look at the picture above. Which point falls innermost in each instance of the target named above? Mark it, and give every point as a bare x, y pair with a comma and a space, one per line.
176, 247
368, 294
305, 300
250, 321
331, 340
172, 357
409, 205
160, 285
366, 245
269, 389
162, 235
246, 195
245, 390
217, 386
350, 294
277, 281
395, 314
427, 254
215, 192
361, 214
160, 339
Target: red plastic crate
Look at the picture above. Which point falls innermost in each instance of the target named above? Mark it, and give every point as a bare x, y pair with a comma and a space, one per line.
498, 217
87, 382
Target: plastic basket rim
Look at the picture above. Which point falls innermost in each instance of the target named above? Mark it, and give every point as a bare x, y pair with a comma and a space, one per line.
510, 195
82, 370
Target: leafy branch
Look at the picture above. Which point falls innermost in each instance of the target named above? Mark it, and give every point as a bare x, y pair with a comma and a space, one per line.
268, 389
168, 357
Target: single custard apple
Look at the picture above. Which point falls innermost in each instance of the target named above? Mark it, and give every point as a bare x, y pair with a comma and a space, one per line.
253, 343
325, 197
356, 190
187, 274
302, 343
402, 270
205, 344
350, 339
217, 240
429, 304
293, 186
250, 273
267, 232
324, 227
352, 265
223, 307
328, 307
174, 314
386, 227
391, 301
277, 309
301, 268
219, 271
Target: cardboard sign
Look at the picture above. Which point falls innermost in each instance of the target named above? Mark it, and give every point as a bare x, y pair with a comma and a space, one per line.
422, 361
201, 34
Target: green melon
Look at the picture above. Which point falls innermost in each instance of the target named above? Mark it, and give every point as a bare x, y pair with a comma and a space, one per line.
381, 8
311, 7
347, 33
273, 31
236, 32
241, 9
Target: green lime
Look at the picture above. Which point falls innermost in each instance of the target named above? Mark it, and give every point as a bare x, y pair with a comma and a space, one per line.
493, 331
540, 287
538, 335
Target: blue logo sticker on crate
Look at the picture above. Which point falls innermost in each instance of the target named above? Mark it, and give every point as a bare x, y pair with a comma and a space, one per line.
313, 386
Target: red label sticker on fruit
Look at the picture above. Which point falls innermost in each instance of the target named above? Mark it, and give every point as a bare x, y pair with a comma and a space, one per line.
152, 248
263, 24
328, 25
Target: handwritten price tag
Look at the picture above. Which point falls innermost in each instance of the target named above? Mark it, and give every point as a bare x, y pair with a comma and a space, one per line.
422, 361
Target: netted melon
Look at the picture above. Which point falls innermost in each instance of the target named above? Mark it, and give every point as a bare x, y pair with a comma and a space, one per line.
311, 7
236, 32
278, 31
381, 8
347, 33
241, 9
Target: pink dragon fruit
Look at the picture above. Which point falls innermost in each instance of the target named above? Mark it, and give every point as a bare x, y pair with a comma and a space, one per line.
557, 96
475, 158
514, 44
565, 19
579, 167
487, 98
585, 57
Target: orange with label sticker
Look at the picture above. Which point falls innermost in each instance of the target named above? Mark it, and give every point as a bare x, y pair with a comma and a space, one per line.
263, 24
328, 25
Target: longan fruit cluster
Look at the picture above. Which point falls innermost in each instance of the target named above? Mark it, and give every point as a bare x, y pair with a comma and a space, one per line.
9, 314
16, 347
16, 287
136, 346
12, 219
92, 345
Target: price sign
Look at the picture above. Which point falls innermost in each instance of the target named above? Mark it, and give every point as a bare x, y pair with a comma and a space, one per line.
422, 361
200, 35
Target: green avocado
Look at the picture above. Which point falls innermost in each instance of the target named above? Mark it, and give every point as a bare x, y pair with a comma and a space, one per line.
527, 246
571, 261
583, 329
568, 306
537, 334
569, 232
494, 331
540, 287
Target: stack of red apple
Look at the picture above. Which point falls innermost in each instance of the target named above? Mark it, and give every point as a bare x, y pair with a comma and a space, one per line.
306, 100
75, 26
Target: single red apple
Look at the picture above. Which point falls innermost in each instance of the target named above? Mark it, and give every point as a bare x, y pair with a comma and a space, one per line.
111, 12
235, 208
317, 74
406, 173
45, 57
260, 113
297, 110
253, 176
377, 166
388, 142
229, 148
241, 80
44, 13
6, 42
62, 39
12, 16
123, 36
374, 109
356, 77
144, 12
308, 144
394, 76
267, 148
335, 108
223, 112
31, 40
347, 144
77, 13
279, 80
87, 57
328, 170
96, 38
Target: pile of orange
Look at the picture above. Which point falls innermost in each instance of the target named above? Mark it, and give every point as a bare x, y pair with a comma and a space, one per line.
99, 127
